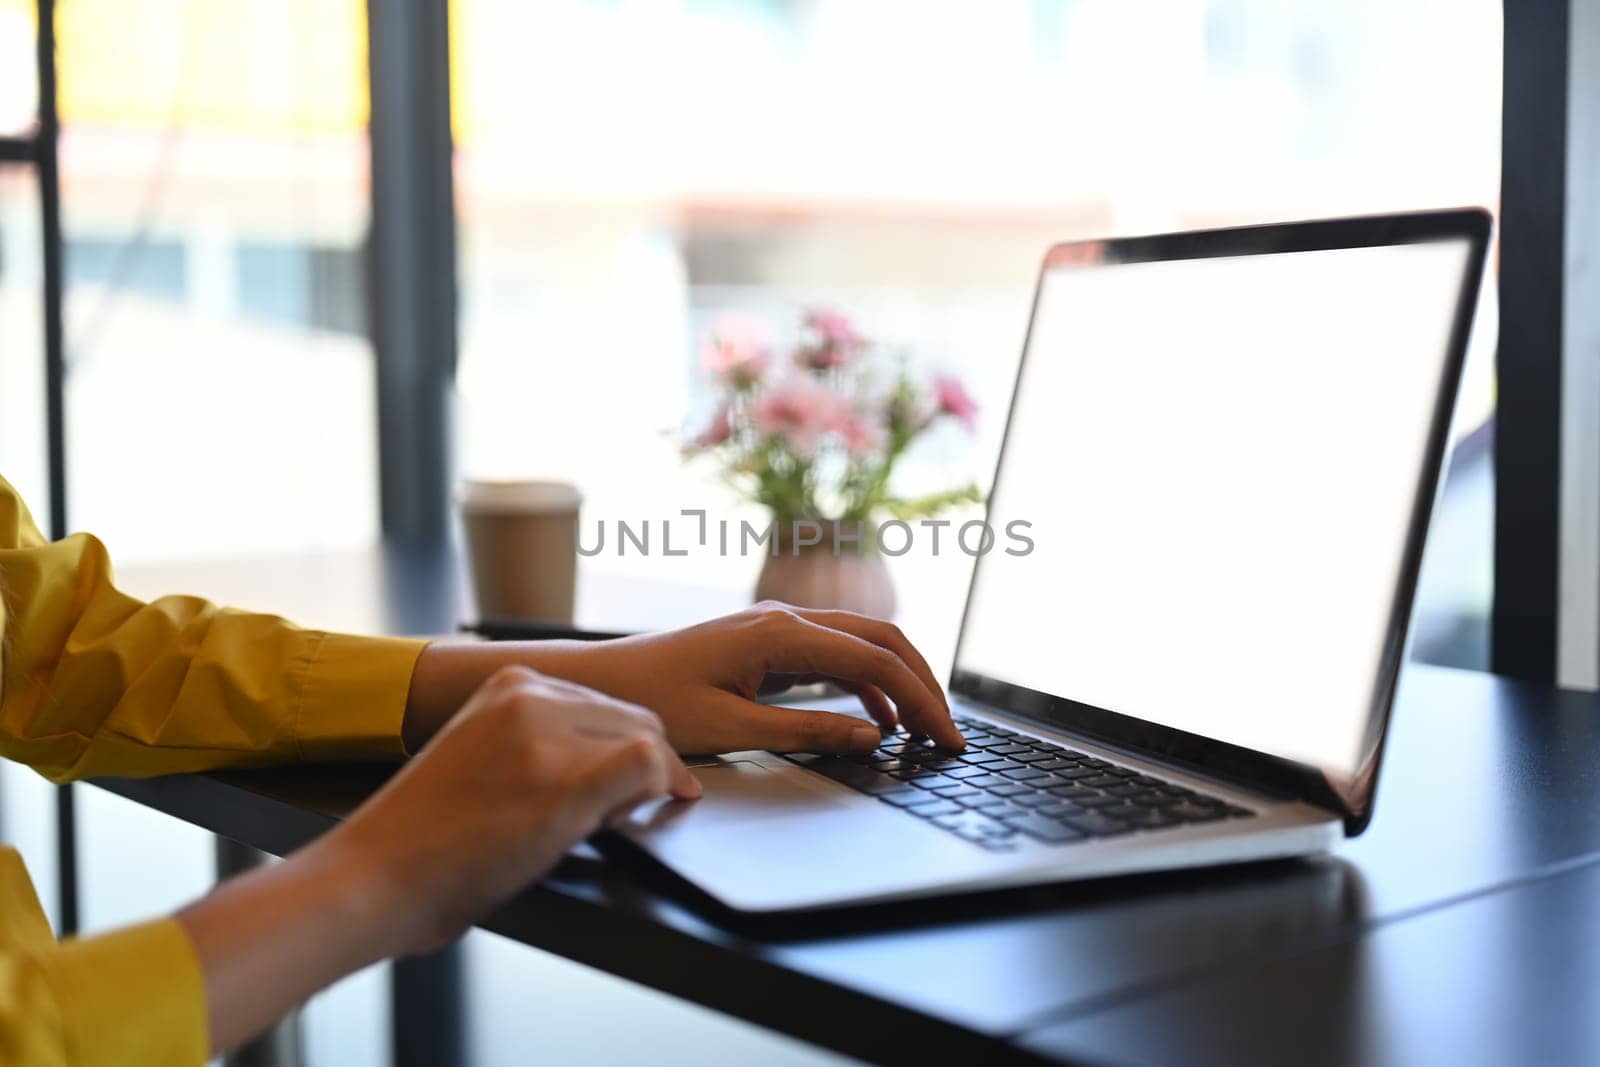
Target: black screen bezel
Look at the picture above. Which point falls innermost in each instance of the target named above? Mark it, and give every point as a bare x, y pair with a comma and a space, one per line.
1351, 797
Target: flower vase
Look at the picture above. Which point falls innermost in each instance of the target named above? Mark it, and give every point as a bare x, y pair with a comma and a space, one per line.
850, 576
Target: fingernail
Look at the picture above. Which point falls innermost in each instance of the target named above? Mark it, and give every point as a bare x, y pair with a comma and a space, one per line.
865, 738
696, 789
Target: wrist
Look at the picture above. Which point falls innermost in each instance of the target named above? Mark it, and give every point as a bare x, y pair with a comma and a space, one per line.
359, 878
269, 939
447, 673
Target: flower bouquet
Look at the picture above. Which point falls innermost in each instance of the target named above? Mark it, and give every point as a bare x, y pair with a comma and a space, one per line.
813, 434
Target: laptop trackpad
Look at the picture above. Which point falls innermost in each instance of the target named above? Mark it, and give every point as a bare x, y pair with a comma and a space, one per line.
765, 837
741, 790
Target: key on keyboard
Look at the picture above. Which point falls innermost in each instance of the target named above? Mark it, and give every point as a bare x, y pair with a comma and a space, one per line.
1009, 787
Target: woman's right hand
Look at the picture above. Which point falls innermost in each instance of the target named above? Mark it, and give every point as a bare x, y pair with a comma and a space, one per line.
528, 768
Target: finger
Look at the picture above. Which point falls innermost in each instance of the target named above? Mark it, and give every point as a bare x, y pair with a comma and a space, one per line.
682, 783
798, 644
880, 707
639, 769
781, 729
688, 788
885, 635
672, 776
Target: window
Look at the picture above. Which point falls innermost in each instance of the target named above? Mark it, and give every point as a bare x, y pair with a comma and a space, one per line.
19, 76
22, 392
220, 387
215, 197
628, 171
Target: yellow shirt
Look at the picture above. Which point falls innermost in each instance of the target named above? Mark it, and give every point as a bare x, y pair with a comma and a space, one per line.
94, 682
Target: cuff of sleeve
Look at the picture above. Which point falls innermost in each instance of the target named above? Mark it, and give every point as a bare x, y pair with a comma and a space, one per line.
133, 995
353, 701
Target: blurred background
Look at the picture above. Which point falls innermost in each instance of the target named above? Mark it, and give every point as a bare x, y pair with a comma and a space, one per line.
624, 171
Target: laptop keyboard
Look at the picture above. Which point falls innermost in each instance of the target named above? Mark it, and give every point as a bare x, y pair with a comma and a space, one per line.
1008, 787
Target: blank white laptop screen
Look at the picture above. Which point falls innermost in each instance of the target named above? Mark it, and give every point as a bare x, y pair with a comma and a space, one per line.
1219, 460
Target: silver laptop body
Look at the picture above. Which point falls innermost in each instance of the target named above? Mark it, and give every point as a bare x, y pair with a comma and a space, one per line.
1225, 447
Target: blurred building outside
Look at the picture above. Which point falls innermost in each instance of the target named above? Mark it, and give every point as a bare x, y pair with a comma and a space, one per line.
625, 172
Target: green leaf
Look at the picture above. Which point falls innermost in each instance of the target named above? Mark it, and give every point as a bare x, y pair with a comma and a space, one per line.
922, 507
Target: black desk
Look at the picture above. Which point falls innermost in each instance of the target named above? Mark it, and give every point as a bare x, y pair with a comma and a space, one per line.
1458, 927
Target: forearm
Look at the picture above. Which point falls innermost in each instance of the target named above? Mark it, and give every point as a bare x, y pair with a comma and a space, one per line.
268, 940
96, 682
449, 672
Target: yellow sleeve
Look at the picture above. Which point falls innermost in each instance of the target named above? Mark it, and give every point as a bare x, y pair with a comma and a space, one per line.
133, 995
95, 682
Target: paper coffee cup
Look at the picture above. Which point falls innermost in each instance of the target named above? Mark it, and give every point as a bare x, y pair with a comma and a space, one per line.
522, 544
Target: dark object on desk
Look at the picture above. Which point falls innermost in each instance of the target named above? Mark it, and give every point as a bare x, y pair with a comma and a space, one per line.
536, 630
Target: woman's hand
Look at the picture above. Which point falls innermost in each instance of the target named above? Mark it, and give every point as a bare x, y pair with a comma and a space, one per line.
527, 768
704, 680
522, 765
531, 766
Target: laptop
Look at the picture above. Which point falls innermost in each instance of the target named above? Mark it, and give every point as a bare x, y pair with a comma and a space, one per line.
1225, 447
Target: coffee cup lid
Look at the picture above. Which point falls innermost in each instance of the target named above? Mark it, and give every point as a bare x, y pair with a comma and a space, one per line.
519, 497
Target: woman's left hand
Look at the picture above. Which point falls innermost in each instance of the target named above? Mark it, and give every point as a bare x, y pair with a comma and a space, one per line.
704, 681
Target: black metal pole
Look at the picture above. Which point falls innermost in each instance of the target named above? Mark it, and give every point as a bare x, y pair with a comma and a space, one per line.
429, 1004
55, 369
16, 150
412, 260
45, 160
1528, 420
412, 294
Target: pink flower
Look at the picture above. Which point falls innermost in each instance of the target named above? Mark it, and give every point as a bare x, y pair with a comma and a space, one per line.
953, 399
738, 349
831, 340
718, 430
860, 436
797, 410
